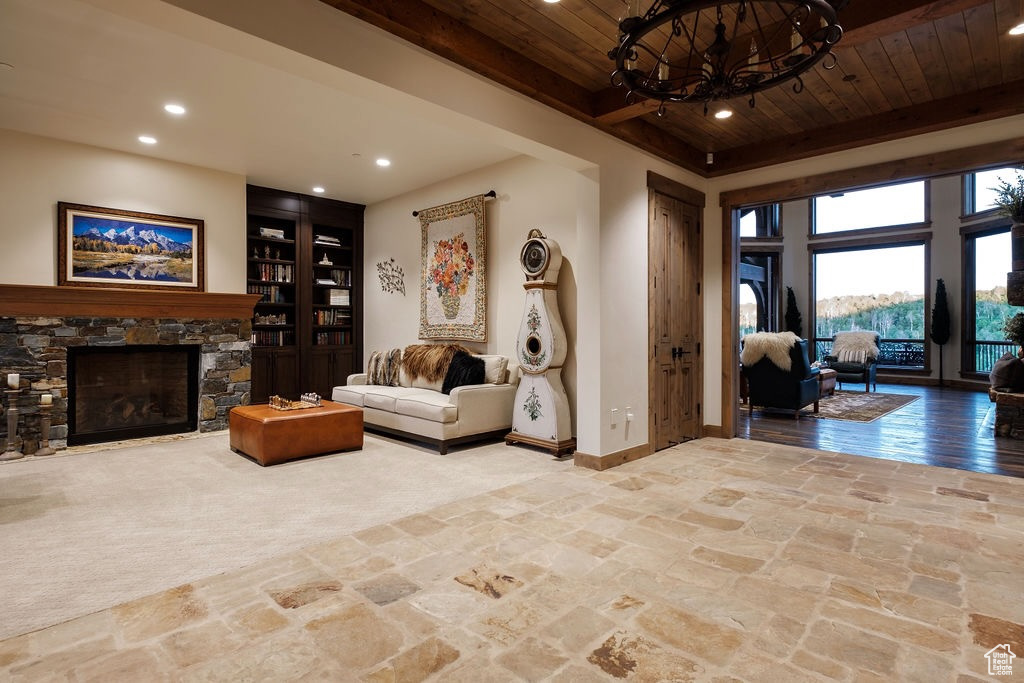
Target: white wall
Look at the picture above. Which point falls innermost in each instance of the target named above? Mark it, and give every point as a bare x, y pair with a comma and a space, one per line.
530, 194
37, 172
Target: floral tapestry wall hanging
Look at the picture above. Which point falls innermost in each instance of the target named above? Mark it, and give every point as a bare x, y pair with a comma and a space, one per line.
453, 295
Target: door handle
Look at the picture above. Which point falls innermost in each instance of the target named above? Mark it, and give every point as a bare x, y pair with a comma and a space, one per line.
679, 352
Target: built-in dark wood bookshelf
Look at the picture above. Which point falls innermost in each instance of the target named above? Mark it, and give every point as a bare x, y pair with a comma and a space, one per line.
304, 258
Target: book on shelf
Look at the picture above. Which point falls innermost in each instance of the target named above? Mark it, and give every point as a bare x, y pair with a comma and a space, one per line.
273, 272
273, 233
327, 239
331, 316
273, 338
338, 297
271, 294
334, 338
342, 277
326, 281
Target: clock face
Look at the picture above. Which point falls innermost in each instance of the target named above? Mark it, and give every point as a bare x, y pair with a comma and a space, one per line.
534, 257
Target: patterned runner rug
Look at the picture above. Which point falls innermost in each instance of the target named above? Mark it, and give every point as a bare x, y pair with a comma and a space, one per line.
859, 406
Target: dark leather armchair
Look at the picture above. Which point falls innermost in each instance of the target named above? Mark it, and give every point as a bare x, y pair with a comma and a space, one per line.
856, 372
772, 387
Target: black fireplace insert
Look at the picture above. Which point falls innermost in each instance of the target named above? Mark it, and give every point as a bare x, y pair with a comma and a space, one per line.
130, 392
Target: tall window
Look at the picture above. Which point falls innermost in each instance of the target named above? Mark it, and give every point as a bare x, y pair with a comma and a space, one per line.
874, 288
759, 221
979, 188
986, 262
891, 205
759, 292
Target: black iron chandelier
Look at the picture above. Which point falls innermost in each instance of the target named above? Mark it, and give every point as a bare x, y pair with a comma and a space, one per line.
707, 50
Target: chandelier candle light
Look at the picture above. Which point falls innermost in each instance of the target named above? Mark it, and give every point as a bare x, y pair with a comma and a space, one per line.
707, 50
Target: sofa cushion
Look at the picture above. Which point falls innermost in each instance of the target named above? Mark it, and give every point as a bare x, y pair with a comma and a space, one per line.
464, 369
495, 368
385, 398
428, 405
351, 394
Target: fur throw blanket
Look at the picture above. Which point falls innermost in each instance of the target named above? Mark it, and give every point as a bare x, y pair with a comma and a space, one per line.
855, 347
464, 369
773, 345
429, 361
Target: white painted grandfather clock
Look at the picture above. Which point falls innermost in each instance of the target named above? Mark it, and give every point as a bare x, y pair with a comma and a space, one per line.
541, 413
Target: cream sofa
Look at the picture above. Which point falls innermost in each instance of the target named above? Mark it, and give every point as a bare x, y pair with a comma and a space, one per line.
420, 411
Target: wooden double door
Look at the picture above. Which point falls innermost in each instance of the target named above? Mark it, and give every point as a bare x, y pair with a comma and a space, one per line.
675, 269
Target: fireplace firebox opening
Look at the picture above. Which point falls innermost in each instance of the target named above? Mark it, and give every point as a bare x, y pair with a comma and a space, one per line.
130, 392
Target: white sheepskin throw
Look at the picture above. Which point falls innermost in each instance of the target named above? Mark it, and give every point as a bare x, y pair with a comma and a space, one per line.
774, 345
854, 347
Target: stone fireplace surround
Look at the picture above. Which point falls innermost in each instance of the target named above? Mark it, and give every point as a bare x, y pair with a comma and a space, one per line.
38, 324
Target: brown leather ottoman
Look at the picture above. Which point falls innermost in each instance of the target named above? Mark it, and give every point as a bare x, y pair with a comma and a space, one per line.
271, 436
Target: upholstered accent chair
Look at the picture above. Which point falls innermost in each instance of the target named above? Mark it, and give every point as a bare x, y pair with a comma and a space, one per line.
778, 372
854, 357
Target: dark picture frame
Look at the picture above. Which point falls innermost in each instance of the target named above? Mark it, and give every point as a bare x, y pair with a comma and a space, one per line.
104, 247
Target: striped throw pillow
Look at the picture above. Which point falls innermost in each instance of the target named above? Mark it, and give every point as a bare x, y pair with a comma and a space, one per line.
851, 356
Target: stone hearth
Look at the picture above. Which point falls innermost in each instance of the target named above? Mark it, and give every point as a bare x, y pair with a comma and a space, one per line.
44, 321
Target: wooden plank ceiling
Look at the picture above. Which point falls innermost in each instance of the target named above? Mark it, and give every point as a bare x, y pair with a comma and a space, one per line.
905, 67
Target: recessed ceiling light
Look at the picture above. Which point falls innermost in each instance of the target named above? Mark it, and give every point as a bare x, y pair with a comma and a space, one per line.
723, 113
172, 108
551, 2
383, 162
147, 139
1017, 30
319, 190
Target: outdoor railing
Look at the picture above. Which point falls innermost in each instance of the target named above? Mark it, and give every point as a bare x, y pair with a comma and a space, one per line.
986, 353
894, 353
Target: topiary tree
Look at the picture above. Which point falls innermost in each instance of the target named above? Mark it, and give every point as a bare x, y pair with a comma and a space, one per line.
941, 326
794, 322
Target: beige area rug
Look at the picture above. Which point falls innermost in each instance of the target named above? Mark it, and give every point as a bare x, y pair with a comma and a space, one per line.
859, 406
86, 531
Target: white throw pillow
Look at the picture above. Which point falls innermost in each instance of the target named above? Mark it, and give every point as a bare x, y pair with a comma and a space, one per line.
495, 368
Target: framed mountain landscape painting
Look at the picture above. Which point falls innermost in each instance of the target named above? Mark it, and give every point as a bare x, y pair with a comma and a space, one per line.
100, 247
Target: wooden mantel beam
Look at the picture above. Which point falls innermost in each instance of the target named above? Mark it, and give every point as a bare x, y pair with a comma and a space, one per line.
123, 303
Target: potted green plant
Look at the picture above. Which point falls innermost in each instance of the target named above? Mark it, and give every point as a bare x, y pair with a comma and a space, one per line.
1010, 198
1013, 328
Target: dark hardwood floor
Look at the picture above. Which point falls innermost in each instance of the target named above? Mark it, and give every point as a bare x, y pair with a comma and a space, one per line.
944, 427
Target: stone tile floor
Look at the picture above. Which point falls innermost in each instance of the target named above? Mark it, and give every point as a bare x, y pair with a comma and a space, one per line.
712, 561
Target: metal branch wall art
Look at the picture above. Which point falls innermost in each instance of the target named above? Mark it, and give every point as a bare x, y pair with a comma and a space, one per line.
392, 277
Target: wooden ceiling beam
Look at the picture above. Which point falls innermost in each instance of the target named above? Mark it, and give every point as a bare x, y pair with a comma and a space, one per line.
974, 107
611, 106
442, 34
